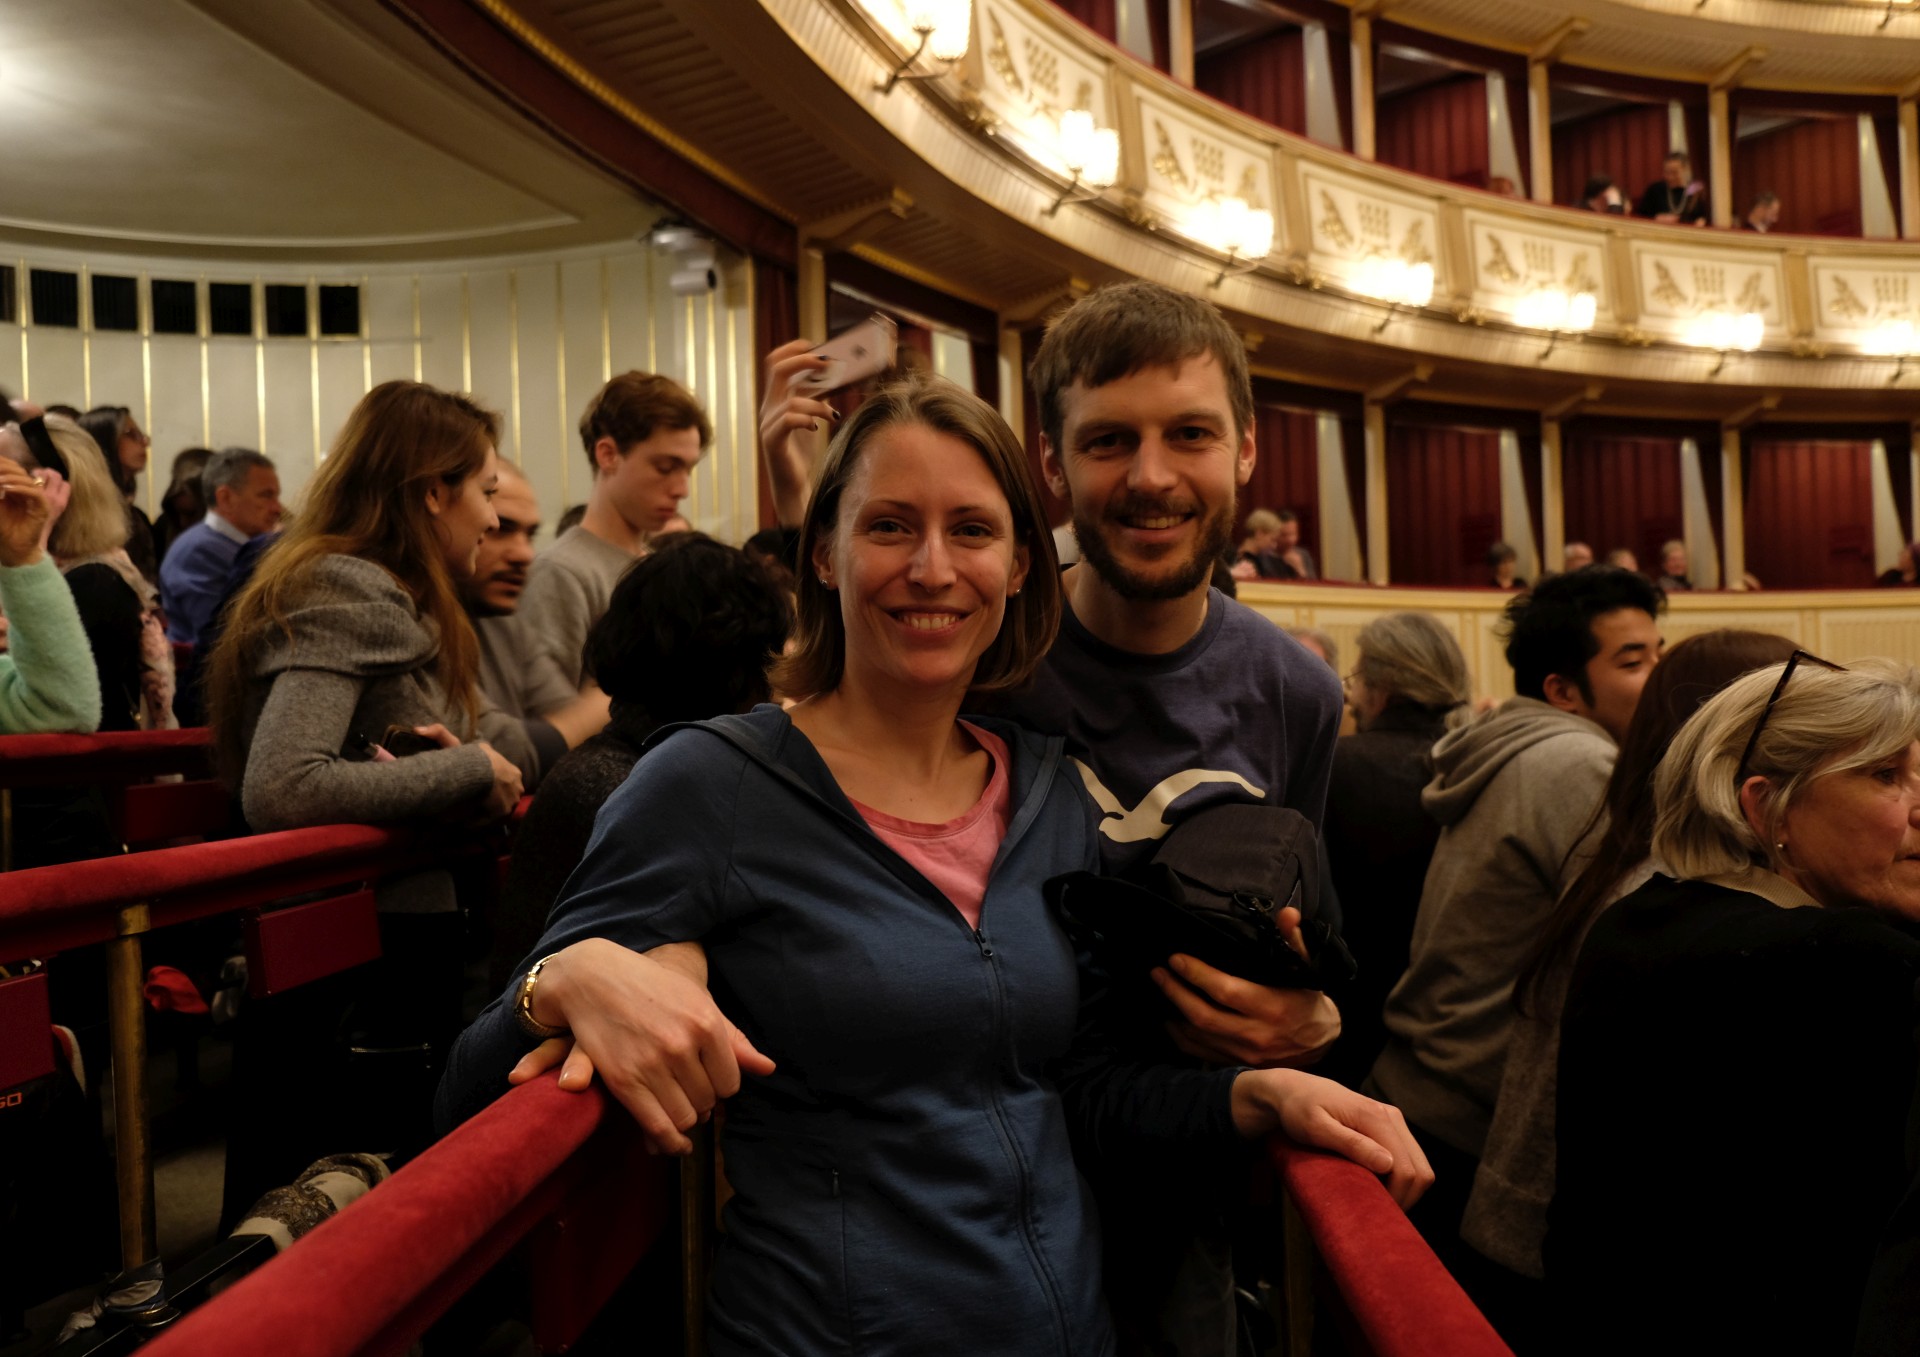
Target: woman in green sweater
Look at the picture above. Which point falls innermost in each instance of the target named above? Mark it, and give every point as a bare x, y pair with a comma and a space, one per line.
47, 679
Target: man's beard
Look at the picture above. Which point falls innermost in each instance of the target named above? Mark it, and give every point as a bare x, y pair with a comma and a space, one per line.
1214, 536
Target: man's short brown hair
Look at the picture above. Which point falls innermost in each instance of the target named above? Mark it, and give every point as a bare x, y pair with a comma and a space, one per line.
630, 407
1128, 326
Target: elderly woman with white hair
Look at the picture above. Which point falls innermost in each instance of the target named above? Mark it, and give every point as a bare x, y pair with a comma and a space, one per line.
1737, 1053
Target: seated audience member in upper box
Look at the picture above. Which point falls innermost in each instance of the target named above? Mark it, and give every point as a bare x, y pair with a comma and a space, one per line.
350, 647
47, 678
242, 491
1676, 197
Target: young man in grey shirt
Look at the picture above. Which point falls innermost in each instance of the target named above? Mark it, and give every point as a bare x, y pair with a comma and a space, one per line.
643, 435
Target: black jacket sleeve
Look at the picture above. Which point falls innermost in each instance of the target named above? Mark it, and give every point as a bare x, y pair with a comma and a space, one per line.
110, 612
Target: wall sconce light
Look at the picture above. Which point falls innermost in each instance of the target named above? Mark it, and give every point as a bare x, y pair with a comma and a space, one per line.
1726, 332
1244, 233
945, 28
1893, 339
1091, 155
1392, 280
1556, 311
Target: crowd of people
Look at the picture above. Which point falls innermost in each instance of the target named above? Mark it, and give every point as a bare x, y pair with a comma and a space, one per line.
835, 834
1676, 198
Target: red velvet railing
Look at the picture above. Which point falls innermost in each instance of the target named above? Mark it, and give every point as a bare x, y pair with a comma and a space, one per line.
120, 757
1403, 1302
406, 1251
371, 1280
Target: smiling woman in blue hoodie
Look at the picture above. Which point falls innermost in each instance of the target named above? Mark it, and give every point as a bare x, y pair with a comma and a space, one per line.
865, 877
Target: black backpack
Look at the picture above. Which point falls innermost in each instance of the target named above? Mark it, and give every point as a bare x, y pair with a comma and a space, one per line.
1214, 890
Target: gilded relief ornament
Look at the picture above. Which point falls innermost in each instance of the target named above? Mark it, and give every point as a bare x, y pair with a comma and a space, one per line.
1846, 302
1665, 289
1000, 58
1500, 265
1578, 279
1332, 225
1166, 160
1413, 248
1753, 296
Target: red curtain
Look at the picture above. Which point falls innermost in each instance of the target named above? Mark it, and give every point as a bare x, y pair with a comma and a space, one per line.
1102, 16
1810, 514
1621, 492
1815, 168
1286, 473
1437, 130
1266, 78
1628, 143
1443, 504
776, 321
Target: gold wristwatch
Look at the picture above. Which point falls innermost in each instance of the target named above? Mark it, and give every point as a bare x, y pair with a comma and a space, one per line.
523, 1004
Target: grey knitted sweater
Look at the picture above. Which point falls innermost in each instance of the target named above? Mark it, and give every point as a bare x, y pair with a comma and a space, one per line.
358, 658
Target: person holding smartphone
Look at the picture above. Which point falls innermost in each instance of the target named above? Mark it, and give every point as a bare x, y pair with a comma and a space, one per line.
343, 688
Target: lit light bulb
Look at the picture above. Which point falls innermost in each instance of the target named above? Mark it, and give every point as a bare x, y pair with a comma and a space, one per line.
1102, 169
1076, 139
1230, 222
1580, 314
1748, 330
1419, 284
1257, 241
952, 30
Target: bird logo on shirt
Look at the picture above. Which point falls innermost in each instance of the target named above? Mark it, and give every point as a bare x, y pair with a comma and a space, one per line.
1148, 819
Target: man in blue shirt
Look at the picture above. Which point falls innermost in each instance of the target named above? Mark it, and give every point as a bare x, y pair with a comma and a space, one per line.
242, 491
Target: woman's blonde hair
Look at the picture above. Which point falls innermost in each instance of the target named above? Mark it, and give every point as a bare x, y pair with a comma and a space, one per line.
368, 499
1827, 721
95, 521
1262, 520
819, 654
1413, 660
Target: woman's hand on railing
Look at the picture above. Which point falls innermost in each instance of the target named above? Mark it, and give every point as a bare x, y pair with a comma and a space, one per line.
1320, 1113
647, 1026
506, 791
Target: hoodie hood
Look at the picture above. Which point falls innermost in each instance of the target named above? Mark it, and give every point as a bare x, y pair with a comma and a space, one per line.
1466, 760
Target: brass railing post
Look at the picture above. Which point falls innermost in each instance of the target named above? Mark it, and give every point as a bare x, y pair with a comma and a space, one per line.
127, 1033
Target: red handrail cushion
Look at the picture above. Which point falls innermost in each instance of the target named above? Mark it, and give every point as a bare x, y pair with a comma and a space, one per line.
153, 812
620, 1200
26, 1027
287, 948
113, 757
1405, 1302
403, 1253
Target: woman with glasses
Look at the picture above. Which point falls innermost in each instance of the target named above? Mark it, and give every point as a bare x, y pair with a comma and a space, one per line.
127, 450
1737, 1055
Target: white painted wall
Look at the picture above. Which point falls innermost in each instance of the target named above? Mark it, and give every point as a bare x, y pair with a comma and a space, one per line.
532, 337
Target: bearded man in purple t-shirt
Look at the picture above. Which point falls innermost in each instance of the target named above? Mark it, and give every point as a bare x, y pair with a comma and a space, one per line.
1173, 697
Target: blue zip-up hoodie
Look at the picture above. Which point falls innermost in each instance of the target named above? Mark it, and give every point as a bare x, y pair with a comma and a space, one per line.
904, 1180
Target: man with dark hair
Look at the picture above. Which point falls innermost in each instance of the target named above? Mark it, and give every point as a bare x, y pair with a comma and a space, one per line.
1173, 698
1764, 215
242, 493
1514, 794
1602, 195
1675, 197
643, 435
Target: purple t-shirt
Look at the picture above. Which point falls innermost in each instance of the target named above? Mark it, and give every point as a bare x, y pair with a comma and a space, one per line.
1242, 712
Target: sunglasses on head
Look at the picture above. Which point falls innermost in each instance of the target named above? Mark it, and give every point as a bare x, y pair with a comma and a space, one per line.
40, 443
1753, 741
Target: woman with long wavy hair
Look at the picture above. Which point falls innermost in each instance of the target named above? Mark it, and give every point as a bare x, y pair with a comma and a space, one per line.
351, 637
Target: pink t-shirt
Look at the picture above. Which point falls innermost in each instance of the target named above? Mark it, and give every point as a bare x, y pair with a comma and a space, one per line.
958, 855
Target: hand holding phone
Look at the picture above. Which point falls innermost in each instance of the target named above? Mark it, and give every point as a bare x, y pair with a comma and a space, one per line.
852, 356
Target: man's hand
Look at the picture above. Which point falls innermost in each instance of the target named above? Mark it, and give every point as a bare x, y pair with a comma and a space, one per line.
1236, 1022
650, 1030
1320, 1113
787, 423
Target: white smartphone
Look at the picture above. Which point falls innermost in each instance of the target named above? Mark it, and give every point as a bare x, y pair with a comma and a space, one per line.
853, 355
